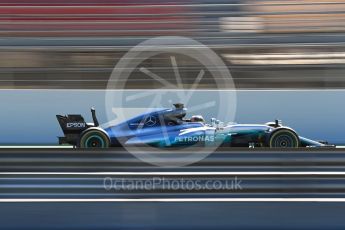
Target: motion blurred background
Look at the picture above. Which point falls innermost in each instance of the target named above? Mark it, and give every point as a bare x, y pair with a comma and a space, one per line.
265, 43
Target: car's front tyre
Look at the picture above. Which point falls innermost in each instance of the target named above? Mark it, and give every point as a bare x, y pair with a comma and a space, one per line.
284, 138
94, 138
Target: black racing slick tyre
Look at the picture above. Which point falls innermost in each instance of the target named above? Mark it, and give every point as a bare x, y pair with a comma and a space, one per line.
284, 138
94, 138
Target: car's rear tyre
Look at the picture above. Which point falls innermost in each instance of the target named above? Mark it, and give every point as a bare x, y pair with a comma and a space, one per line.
284, 138
94, 138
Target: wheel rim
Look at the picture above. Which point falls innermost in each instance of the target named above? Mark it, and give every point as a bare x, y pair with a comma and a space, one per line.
94, 141
284, 140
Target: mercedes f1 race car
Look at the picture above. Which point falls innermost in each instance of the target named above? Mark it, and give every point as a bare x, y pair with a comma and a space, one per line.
169, 128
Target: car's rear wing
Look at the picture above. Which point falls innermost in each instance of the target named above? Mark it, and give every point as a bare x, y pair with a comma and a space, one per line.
73, 125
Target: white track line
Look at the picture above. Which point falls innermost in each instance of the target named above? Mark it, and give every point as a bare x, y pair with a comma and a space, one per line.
207, 90
176, 200
172, 173
36, 147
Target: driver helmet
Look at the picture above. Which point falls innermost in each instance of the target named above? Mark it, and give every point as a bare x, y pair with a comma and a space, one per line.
197, 118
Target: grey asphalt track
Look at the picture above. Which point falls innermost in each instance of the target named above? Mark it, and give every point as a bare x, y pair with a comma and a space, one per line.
75, 189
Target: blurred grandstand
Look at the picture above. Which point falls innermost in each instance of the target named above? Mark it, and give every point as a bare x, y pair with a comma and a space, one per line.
265, 43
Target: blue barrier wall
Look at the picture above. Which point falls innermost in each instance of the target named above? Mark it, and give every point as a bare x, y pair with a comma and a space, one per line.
28, 116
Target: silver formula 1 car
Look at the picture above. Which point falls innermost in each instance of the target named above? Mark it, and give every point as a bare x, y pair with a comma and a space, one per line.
169, 128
